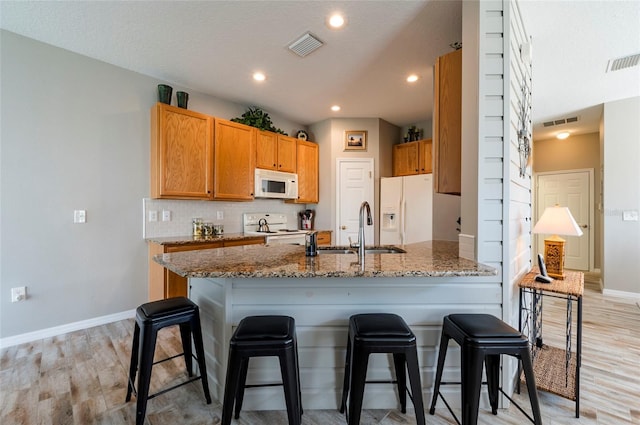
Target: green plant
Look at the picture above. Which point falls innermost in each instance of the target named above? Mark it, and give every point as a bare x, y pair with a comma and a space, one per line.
256, 117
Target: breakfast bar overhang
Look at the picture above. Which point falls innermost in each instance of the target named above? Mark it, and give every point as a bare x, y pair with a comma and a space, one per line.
422, 285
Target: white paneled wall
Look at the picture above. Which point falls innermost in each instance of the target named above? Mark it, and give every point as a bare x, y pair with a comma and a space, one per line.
183, 211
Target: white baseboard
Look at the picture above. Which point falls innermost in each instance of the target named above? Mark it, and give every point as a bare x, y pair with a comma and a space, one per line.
63, 329
621, 294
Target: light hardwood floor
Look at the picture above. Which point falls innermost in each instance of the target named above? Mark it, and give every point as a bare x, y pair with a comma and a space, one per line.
80, 378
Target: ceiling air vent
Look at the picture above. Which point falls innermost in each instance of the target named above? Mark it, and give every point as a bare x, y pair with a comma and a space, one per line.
622, 63
305, 45
560, 121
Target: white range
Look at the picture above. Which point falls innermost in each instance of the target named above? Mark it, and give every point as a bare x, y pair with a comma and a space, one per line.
274, 227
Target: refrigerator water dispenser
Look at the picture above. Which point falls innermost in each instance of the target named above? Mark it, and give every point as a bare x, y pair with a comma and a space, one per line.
389, 221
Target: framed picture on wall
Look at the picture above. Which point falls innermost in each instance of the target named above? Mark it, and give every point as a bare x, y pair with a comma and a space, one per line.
355, 140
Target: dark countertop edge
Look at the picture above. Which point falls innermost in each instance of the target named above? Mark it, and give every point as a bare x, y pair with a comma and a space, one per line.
366, 274
194, 240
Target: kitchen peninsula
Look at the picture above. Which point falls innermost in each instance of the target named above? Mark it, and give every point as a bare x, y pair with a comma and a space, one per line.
423, 284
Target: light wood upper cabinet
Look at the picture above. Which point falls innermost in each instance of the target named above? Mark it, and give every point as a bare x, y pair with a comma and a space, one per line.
425, 156
447, 121
181, 153
307, 165
234, 161
267, 150
412, 158
275, 152
287, 153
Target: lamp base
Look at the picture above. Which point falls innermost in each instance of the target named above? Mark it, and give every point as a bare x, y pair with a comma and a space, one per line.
554, 257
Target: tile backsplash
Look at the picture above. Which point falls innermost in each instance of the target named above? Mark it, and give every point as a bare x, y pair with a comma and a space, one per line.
182, 213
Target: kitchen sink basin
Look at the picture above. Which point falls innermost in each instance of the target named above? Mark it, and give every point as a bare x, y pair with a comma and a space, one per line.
369, 250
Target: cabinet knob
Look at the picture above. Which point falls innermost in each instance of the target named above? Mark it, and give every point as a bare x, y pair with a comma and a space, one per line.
343, 227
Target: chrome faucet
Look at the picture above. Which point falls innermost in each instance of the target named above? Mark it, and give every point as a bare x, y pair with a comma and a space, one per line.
361, 249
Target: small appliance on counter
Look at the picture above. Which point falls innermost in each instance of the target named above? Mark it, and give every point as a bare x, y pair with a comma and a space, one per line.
274, 227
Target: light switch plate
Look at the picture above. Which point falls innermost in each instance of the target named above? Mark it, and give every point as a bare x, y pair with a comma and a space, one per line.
631, 215
80, 216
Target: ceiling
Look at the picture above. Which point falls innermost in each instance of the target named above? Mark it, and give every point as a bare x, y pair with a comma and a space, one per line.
214, 47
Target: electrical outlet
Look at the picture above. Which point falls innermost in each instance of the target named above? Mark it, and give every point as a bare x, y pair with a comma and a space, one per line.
18, 294
80, 216
153, 215
220, 215
631, 215
166, 215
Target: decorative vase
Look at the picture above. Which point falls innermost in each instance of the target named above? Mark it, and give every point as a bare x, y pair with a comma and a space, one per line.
183, 98
164, 93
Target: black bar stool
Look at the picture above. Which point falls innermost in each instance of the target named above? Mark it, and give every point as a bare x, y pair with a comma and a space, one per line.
483, 338
260, 336
380, 333
150, 318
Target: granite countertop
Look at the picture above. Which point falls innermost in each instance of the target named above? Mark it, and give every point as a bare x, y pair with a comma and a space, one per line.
432, 258
190, 239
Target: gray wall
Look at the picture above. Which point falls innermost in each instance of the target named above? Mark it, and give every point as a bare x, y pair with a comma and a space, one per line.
75, 135
621, 192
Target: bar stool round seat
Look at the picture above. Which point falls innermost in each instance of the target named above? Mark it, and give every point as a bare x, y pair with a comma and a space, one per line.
262, 336
150, 318
380, 333
482, 339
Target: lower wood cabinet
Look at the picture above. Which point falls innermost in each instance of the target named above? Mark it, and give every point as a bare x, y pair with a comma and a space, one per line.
324, 237
164, 283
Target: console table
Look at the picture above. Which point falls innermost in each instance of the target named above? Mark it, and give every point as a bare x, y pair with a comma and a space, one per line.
557, 370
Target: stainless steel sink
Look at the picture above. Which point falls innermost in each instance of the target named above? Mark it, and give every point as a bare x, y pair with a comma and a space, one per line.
369, 250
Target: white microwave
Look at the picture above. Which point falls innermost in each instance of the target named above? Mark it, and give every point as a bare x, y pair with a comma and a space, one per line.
275, 184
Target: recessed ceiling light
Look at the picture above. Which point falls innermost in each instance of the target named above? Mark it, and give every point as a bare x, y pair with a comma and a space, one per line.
259, 76
335, 108
336, 21
563, 135
412, 78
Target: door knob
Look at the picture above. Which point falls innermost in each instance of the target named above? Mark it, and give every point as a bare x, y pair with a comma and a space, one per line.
343, 227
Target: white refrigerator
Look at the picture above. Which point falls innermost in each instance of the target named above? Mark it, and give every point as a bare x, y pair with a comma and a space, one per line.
406, 209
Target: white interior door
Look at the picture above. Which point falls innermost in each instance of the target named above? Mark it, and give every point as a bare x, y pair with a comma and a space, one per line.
354, 186
573, 190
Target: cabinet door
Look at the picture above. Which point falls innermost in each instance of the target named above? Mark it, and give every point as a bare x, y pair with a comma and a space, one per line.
324, 237
447, 122
181, 153
405, 159
287, 154
426, 158
234, 161
307, 172
267, 150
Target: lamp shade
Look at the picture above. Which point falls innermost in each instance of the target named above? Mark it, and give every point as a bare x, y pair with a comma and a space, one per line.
557, 220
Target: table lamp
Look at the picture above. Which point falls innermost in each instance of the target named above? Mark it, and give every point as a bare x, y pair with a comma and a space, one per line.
556, 221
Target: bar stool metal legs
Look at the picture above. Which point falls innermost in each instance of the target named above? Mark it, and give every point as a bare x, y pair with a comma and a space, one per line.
380, 333
260, 336
150, 318
482, 339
